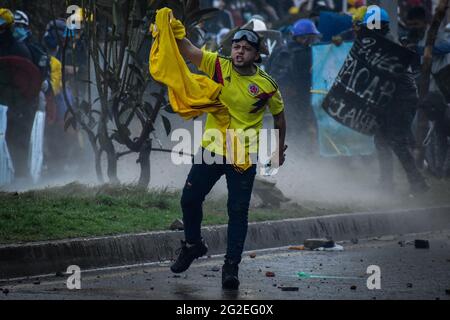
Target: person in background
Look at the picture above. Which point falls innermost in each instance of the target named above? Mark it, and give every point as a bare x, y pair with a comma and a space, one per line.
9, 45
351, 34
222, 20
395, 133
291, 66
414, 38
20, 113
22, 32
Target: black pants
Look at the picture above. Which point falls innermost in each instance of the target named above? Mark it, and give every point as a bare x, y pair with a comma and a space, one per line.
395, 135
200, 181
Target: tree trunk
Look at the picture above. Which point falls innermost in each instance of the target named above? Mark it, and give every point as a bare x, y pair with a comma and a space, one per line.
107, 145
98, 167
424, 85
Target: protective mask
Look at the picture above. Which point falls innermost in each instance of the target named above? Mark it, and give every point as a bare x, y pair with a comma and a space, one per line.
21, 33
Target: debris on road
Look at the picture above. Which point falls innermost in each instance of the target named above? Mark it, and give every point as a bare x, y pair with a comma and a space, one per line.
270, 274
252, 255
335, 247
421, 244
269, 194
289, 288
409, 285
401, 243
353, 287
177, 225
317, 276
385, 238
312, 244
354, 240
37, 282
5, 291
301, 247
59, 274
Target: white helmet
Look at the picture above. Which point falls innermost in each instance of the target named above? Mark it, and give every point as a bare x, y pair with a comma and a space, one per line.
258, 25
21, 17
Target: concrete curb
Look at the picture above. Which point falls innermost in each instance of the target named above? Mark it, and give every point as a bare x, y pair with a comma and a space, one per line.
50, 257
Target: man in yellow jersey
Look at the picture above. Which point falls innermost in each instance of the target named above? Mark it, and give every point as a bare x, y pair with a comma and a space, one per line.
247, 92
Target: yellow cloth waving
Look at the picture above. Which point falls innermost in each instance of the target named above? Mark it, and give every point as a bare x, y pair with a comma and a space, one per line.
189, 94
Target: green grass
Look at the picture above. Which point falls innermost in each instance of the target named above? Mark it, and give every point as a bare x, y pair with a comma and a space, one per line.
77, 210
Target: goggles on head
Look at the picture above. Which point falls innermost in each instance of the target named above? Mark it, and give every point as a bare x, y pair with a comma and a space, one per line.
248, 35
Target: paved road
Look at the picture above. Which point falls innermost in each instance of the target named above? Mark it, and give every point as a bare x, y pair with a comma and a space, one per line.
406, 273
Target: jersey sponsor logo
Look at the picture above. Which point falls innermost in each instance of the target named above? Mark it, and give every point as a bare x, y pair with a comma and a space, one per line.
253, 89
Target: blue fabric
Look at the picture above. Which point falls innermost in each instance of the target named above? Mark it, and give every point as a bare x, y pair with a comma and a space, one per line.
334, 138
440, 48
200, 181
332, 24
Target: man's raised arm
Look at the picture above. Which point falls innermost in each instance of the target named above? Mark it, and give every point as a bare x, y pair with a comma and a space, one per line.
190, 52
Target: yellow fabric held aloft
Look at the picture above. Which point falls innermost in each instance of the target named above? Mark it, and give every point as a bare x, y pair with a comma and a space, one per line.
190, 95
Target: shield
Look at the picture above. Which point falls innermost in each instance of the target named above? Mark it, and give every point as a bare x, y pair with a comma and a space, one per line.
367, 83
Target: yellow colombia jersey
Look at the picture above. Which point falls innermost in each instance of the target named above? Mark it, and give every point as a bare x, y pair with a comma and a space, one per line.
246, 97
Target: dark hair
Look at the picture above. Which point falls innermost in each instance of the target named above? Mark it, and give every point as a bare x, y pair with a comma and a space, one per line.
416, 13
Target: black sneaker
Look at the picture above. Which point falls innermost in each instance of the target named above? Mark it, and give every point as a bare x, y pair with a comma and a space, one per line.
230, 279
187, 254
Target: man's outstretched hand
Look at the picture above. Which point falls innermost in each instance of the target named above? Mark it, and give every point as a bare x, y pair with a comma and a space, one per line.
279, 161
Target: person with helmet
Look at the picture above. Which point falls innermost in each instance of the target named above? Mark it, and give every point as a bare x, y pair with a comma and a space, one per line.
351, 34
247, 92
291, 65
395, 132
9, 45
39, 55
20, 111
385, 20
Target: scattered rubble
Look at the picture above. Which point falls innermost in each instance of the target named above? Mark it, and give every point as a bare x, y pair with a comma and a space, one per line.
312, 244
335, 247
270, 195
300, 247
421, 244
177, 225
289, 288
